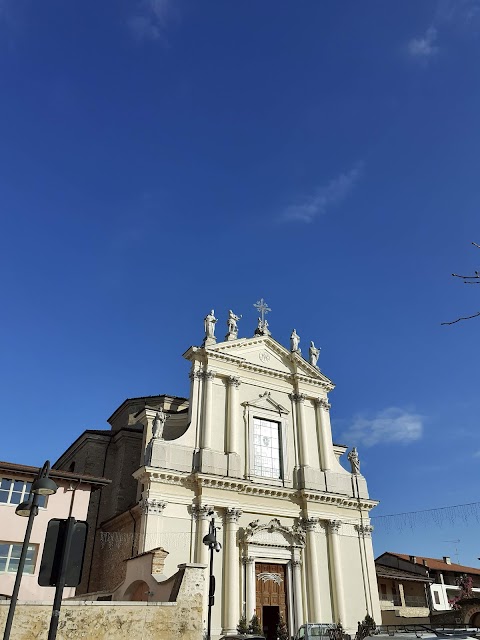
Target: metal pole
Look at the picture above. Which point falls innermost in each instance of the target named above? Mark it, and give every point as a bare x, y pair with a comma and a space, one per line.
57, 603
21, 565
210, 597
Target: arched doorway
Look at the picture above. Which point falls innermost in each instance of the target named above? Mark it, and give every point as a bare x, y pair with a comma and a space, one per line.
475, 619
137, 592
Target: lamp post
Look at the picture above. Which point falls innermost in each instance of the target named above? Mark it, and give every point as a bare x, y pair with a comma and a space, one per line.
41, 486
210, 540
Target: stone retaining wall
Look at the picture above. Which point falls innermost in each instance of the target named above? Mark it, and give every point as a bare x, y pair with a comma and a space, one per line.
117, 620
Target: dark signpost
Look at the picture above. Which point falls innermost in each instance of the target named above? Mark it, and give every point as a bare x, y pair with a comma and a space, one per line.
62, 561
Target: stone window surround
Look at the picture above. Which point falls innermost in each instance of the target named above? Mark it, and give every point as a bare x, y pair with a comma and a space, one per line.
282, 421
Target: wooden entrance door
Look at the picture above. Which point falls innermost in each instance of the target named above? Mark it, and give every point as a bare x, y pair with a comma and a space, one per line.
270, 588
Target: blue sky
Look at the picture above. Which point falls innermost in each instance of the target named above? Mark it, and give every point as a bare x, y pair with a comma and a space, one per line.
158, 159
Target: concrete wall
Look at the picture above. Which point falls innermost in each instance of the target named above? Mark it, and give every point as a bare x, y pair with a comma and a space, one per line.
117, 620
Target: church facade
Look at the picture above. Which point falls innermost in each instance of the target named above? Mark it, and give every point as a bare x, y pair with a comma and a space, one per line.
252, 447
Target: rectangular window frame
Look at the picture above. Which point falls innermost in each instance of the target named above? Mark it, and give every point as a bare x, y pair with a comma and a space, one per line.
285, 466
9, 492
13, 553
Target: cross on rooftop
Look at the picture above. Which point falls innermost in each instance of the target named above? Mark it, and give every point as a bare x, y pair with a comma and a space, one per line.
262, 307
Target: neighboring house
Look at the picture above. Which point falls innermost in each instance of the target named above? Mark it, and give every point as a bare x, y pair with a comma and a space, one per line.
252, 444
73, 494
439, 576
403, 594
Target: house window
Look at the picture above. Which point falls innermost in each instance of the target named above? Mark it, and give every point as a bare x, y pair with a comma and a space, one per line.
266, 448
10, 557
16, 491
436, 597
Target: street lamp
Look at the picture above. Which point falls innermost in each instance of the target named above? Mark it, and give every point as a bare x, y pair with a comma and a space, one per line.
42, 486
210, 540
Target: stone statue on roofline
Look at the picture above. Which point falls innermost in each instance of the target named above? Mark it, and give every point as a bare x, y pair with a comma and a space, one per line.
354, 461
295, 342
314, 354
159, 425
232, 327
209, 326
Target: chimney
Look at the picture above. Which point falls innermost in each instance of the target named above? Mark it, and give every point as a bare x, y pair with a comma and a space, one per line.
413, 559
424, 563
447, 560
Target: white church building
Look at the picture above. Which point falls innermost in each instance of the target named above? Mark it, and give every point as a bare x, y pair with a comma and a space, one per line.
252, 446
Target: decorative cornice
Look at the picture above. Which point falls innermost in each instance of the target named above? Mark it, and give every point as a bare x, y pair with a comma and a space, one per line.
323, 403
364, 530
294, 534
152, 506
233, 381
190, 480
232, 515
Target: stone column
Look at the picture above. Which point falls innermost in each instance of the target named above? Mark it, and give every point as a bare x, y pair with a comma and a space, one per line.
232, 427
195, 400
313, 570
206, 436
335, 557
200, 514
297, 592
250, 587
401, 593
324, 433
231, 573
299, 399
149, 528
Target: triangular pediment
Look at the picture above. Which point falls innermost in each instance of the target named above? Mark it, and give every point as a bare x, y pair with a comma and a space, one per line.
265, 401
267, 353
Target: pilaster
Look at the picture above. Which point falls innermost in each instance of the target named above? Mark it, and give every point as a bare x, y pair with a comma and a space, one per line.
250, 587
324, 433
310, 525
231, 589
336, 561
200, 515
206, 435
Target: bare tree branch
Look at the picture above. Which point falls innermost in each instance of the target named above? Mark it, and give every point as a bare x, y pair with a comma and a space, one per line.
475, 315
467, 280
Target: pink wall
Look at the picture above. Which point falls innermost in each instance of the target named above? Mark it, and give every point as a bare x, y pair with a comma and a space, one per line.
12, 529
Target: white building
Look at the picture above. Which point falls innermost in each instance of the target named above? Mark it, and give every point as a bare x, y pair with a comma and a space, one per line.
253, 445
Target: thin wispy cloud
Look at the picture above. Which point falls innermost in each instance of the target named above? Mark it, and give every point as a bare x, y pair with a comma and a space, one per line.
391, 425
460, 16
151, 19
424, 47
324, 197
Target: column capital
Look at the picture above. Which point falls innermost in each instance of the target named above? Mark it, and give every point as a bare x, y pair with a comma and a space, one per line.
296, 564
322, 403
152, 506
201, 511
208, 374
364, 530
248, 560
309, 524
334, 526
232, 514
233, 381
195, 374
298, 397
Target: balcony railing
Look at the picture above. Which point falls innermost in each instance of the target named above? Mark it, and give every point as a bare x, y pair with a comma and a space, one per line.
415, 601
394, 601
